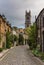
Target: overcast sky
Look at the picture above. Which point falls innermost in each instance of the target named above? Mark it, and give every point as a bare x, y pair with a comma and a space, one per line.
14, 10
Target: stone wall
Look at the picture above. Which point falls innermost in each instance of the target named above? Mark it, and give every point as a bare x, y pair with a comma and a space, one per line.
3, 29
40, 30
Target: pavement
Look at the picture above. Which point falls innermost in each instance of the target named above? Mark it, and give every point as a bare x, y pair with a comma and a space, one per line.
3, 53
20, 55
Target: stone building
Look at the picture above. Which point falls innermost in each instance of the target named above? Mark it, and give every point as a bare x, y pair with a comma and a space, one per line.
8, 27
27, 19
3, 29
2, 32
40, 29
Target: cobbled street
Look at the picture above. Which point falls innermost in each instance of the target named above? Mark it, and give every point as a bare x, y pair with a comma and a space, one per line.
19, 55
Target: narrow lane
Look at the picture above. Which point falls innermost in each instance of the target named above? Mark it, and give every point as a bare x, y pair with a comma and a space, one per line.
19, 56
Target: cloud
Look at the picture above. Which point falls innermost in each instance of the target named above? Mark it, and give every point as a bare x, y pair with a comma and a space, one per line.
14, 10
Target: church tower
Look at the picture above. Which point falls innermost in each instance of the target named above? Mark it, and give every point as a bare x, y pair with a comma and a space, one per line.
28, 19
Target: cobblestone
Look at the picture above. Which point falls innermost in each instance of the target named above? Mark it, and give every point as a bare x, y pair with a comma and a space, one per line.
19, 56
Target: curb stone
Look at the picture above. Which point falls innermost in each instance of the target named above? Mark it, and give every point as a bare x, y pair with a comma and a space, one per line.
36, 58
4, 52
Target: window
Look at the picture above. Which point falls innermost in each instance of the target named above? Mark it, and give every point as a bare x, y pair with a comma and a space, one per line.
27, 25
43, 21
27, 17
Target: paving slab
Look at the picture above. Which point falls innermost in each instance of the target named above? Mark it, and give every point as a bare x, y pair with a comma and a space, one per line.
20, 55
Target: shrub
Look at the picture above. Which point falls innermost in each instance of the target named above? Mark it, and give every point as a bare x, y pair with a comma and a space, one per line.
9, 40
42, 56
29, 42
34, 45
8, 45
1, 49
39, 54
15, 38
21, 39
31, 45
36, 52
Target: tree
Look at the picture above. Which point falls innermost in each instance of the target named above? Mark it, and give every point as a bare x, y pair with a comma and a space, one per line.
32, 36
